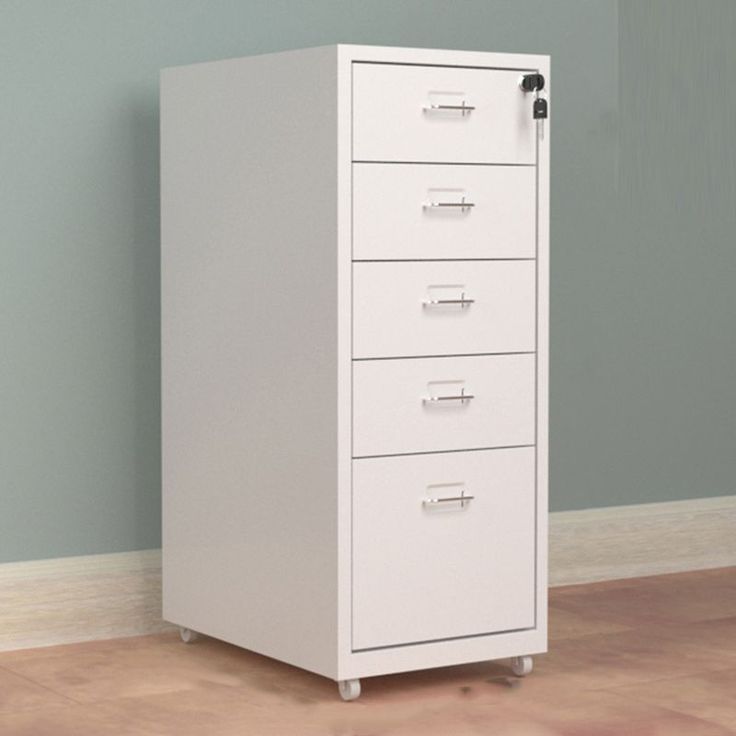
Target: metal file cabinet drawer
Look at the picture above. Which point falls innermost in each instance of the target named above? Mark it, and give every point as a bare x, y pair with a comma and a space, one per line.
442, 114
450, 567
433, 404
429, 211
443, 308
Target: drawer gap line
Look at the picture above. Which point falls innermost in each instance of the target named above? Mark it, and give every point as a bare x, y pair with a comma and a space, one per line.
442, 452
439, 163
444, 355
435, 260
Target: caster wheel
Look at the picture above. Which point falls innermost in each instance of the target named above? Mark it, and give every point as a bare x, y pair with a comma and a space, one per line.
521, 666
187, 635
349, 689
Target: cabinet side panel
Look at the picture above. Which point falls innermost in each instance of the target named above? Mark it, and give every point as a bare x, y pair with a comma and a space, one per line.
249, 323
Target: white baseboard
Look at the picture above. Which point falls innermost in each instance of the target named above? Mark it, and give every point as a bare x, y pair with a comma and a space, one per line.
71, 599
647, 539
75, 599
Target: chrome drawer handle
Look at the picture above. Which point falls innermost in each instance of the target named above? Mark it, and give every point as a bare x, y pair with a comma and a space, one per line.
462, 302
461, 205
464, 109
461, 499
462, 397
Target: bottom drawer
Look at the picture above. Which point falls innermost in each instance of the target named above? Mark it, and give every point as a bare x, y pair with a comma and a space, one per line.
425, 570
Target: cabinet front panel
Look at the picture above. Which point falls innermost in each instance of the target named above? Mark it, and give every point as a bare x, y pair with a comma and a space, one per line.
415, 212
443, 308
434, 404
441, 114
426, 567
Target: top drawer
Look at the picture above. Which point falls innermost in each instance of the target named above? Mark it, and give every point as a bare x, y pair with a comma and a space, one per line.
408, 113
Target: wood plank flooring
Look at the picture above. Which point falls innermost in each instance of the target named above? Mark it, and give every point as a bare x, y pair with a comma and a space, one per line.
640, 657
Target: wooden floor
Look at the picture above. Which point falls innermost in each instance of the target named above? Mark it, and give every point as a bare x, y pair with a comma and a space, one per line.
627, 658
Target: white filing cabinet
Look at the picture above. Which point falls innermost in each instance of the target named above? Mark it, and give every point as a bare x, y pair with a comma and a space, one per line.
354, 294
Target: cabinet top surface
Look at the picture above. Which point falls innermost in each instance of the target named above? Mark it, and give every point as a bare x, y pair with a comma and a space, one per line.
348, 53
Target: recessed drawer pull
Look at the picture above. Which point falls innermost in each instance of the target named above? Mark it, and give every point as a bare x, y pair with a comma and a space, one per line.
464, 109
461, 499
438, 302
462, 396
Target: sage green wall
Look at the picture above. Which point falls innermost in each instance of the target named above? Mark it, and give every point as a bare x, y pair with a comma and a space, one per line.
641, 347
644, 313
